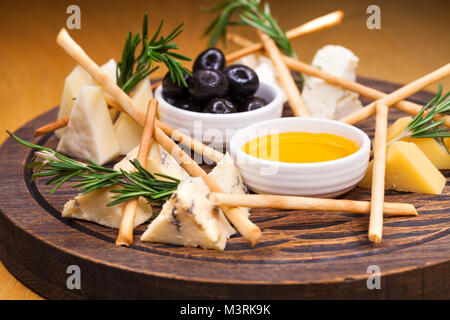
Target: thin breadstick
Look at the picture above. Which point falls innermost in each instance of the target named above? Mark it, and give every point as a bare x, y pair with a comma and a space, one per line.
399, 94
317, 24
52, 126
308, 203
116, 97
287, 82
249, 231
125, 236
296, 65
378, 174
156, 85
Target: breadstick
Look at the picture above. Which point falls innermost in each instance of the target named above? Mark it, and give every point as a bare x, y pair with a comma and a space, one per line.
288, 84
293, 64
116, 97
125, 237
378, 174
307, 203
249, 231
323, 22
399, 94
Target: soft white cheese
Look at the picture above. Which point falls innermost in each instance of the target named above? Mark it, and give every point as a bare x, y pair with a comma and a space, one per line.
189, 219
93, 207
229, 179
72, 85
158, 161
127, 130
90, 133
327, 101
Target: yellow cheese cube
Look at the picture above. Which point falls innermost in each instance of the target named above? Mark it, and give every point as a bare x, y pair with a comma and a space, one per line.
408, 169
447, 143
437, 154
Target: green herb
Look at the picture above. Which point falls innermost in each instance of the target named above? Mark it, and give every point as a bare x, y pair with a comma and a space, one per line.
91, 176
424, 126
131, 69
248, 12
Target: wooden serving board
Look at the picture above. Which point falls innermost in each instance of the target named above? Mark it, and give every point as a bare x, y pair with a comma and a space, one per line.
301, 254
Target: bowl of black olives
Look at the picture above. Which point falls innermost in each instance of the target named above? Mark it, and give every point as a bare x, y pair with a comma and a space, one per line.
218, 100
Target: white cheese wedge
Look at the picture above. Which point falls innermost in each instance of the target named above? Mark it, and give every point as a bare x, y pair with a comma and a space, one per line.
72, 85
90, 133
93, 207
158, 161
127, 130
327, 101
189, 219
110, 68
229, 179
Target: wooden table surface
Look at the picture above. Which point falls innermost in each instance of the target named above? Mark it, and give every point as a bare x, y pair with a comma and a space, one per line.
412, 41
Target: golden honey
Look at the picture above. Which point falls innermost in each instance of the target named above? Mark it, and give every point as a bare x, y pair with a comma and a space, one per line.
300, 147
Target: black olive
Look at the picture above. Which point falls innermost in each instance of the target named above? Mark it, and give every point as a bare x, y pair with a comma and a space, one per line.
210, 59
207, 84
188, 104
171, 89
185, 103
220, 106
252, 103
243, 81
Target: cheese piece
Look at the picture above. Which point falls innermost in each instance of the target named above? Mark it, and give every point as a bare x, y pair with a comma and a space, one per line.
110, 68
158, 161
229, 179
72, 85
324, 100
436, 152
90, 133
189, 219
408, 169
93, 207
447, 143
127, 130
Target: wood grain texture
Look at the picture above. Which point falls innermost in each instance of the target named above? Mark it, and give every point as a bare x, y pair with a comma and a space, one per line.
307, 255
33, 68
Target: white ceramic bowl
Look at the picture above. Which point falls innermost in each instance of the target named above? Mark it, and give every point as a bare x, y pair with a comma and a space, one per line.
217, 129
321, 179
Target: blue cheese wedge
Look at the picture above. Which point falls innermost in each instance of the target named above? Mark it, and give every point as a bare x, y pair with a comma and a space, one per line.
158, 161
127, 130
229, 179
324, 100
189, 219
90, 133
93, 207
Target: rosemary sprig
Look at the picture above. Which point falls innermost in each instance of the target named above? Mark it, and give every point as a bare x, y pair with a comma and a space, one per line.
131, 69
249, 12
91, 176
424, 126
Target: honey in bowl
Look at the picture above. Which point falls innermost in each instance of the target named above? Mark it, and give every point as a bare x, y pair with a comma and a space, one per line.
300, 147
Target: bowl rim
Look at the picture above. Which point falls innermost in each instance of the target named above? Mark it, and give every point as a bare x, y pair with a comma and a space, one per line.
237, 151
275, 103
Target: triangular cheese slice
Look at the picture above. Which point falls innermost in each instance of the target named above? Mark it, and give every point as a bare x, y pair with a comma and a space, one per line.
229, 179
93, 207
188, 218
90, 133
72, 85
158, 161
127, 130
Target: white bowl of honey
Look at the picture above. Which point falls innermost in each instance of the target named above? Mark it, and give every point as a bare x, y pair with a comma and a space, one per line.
301, 156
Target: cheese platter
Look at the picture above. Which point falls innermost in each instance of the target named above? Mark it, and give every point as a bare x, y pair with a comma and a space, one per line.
247, 177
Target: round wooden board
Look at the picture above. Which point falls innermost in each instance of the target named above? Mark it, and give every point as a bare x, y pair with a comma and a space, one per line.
301, 254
